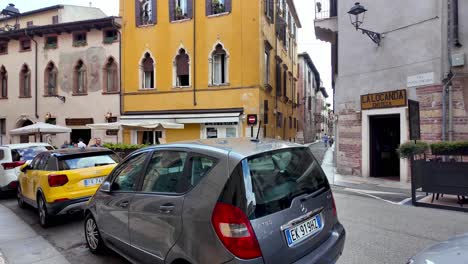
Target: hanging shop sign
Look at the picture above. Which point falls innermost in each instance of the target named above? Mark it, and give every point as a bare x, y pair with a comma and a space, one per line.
384, 100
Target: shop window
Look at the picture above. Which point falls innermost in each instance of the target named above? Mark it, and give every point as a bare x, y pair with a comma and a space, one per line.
147, 72
110, 36
3, 47
51, 42
145, 12
111, 77
80, 80
50, 79
182, 65
3, 82
219, 66
25, 45
79, 39
180, 9
25, 82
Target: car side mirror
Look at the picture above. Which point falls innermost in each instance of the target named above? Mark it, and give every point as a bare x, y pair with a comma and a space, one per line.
105, 187
25, 168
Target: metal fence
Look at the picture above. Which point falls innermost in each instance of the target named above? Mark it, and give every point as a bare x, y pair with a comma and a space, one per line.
325, 9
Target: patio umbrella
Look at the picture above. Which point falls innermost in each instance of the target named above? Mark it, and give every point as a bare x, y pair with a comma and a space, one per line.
41, 129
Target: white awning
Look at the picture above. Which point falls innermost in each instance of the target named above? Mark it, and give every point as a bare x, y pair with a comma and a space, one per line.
40, 128
186, 118
136, 125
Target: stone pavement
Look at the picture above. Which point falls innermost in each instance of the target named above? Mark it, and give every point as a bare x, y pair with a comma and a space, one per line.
19, 243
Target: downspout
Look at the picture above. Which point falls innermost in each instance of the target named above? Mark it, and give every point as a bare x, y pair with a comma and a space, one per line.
456, 43
35, 73
194, 54
120, 67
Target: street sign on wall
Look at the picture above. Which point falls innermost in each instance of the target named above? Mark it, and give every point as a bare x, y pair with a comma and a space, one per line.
420, 79
414, 120
252, 120
384, 100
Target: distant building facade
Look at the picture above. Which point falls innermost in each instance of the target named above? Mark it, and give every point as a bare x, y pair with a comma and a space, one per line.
421, 57
59, 65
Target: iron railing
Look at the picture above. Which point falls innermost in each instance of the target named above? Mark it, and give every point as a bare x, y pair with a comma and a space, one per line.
325, 9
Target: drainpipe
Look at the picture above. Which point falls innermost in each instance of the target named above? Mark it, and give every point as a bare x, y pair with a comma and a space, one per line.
194, 53
35, 77
116, 27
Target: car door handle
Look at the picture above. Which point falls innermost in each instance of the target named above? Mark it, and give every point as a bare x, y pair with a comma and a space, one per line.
167, 208
123, 204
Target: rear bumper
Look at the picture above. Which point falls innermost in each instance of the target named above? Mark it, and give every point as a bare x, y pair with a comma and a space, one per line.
66, 207
329, 251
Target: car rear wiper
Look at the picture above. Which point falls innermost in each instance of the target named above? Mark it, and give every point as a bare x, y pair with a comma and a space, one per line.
102, 164
314, 194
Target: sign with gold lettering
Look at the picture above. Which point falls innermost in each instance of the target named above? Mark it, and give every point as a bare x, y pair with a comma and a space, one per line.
384, 100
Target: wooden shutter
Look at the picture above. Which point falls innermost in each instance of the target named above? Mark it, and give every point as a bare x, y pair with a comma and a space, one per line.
265, 112
228, 5
190, 8
171, 10
208, 7
154, 7
137, 13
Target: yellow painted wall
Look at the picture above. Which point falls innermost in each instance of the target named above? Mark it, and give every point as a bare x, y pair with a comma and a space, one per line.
242, 32
190, 132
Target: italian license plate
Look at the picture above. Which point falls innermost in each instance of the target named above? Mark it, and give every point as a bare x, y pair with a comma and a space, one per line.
94, 181
303, 230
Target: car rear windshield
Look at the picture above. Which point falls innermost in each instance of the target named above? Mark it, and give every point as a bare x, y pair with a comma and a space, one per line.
267, 183
28, 153
87, 161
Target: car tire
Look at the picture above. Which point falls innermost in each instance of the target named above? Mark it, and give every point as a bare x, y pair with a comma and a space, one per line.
19, 198
44, 218
93, 236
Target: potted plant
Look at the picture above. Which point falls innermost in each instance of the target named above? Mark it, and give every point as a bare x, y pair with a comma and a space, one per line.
217, 7
178, 13
450, 148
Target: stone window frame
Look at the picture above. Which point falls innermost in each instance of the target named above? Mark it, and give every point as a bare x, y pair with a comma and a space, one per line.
141, 71
21, 47
105, 75
25, 80
175, 76
108, 40
3, 81
49, 46
76, 80
211, 65
80, 43
177, 18
209, 6
47, 72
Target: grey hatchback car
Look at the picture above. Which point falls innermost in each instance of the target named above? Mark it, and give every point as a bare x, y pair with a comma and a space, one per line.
217, 201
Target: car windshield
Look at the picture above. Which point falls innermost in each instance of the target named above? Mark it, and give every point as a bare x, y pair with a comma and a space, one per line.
28, 153
81, 162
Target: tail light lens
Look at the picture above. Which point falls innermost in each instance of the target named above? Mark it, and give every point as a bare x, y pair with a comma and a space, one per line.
235, 231
12, 165
13, 185
334, 206
56, 180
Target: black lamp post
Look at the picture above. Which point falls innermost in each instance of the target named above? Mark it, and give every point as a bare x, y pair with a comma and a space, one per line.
356, 15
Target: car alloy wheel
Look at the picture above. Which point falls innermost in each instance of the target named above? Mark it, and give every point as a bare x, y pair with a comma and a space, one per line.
93, 238
42, 210
19, 198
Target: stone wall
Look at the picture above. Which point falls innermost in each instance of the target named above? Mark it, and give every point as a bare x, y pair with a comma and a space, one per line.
349, 155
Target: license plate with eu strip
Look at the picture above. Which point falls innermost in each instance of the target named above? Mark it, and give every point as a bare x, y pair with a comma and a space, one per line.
94, 181
303, 230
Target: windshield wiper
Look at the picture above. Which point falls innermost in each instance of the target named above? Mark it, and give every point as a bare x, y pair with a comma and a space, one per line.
314, 194
102, 164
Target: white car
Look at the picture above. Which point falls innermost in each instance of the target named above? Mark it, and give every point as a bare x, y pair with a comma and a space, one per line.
12, 157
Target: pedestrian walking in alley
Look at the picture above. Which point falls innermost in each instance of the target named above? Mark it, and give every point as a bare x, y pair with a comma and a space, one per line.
331, 141
325, 140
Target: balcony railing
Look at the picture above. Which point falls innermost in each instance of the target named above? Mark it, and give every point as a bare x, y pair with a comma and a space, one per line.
325, 9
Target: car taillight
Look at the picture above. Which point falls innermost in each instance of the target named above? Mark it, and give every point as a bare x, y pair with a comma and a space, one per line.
13, 185
235, 231
56, 180
334, 206
12, 165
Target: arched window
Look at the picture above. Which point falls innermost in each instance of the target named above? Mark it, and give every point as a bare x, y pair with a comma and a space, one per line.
3, 82
219, 66
111, 77
182, 69
25, 81
147, 72
80, 81
50, 80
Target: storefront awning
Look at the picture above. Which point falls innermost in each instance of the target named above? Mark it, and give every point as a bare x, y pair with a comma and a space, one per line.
136, 125
185, 118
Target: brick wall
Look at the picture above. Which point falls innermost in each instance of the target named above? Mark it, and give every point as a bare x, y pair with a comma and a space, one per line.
460, 108
349, 145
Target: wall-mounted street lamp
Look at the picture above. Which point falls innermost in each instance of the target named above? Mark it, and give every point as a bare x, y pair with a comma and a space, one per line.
11, 12
357, 14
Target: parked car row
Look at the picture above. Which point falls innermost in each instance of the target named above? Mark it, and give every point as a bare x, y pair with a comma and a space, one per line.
209, 201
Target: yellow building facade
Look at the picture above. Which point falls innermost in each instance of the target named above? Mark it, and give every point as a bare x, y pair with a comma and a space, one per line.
208, 65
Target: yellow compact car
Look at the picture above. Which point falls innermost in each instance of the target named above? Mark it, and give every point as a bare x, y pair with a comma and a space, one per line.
62, 181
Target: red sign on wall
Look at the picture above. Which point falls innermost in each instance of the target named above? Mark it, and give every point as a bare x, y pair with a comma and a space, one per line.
252, 120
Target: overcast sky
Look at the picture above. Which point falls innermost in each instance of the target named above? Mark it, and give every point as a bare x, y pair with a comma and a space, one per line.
318, 50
